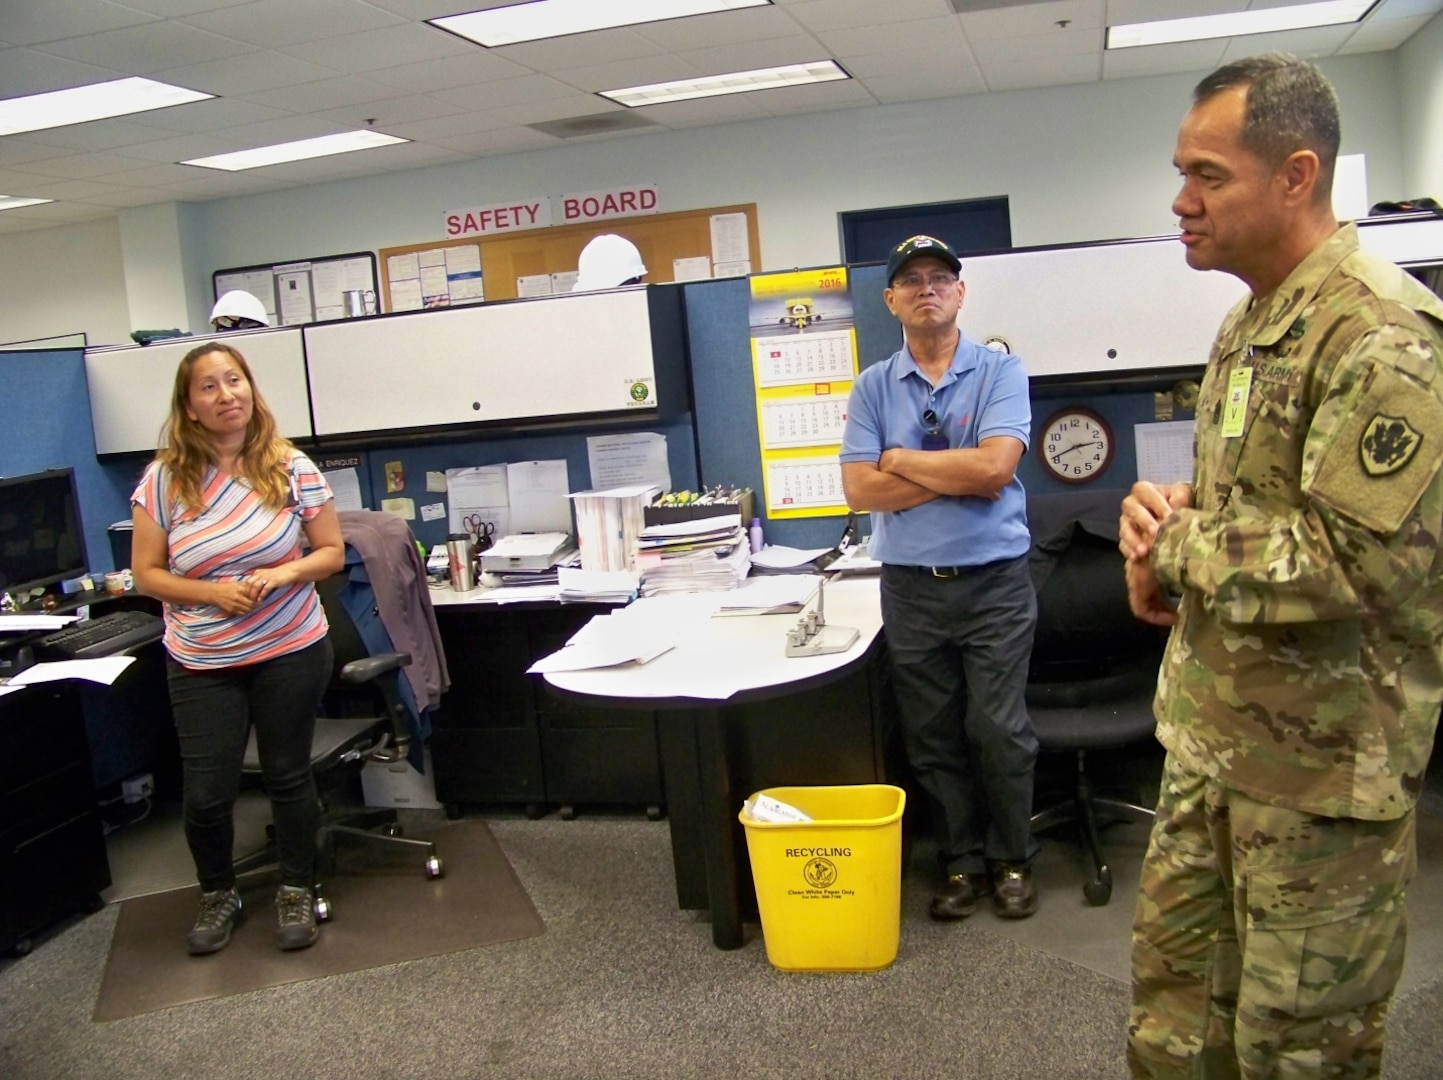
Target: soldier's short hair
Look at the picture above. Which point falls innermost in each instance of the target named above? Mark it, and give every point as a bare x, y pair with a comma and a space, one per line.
1291, 106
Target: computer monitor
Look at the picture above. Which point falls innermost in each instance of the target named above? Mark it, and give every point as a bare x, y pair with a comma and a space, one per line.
41, 539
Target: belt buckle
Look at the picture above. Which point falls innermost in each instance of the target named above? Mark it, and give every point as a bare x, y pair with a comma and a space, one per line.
945, 572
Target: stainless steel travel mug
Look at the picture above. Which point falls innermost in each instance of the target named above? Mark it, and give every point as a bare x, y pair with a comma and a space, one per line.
462, 561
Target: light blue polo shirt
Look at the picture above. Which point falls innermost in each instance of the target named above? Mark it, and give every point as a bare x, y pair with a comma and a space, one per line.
982, 395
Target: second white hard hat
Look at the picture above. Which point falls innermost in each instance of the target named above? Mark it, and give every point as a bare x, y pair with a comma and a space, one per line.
606, 262
239, 304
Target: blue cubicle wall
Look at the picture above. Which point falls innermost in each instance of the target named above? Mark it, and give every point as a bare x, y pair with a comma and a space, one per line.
48, 423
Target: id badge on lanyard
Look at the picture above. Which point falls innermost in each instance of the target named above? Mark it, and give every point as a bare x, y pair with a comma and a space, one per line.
1235, 411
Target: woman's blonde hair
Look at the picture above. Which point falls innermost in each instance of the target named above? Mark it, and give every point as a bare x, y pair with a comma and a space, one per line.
186, 451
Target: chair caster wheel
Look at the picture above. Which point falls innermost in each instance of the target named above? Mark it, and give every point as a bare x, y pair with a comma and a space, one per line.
434, 867
322, 908
567, 812
1099, 890
394, 829
653, 813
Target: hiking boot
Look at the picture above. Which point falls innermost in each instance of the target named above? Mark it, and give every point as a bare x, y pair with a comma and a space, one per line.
220, 913
296, 915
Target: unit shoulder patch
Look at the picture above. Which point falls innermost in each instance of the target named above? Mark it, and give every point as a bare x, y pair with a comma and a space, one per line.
1388, 444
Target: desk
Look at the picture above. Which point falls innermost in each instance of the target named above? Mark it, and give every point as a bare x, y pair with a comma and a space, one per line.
825, 725
497, 738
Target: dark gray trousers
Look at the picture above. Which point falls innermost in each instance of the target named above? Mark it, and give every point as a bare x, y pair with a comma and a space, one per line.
959, 650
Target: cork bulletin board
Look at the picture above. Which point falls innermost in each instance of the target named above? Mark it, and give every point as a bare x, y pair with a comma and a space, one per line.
689, 244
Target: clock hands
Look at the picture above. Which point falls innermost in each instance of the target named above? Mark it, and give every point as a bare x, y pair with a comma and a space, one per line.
1075, 446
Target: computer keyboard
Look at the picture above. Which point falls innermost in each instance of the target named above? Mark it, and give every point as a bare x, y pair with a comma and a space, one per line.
105, 635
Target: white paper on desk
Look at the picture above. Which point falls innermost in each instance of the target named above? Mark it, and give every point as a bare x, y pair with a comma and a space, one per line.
104, 670
777, 557
537, 491
20, 624
769, 595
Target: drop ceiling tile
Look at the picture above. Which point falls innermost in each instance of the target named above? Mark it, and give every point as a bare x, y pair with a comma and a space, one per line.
211, 184
701, 112
325, 94
1120, 12
96, 135
212, 114
181, 147
143, 50
255, 71
1318, 41
638, 72
1182, 56
1033, 19
1039, 46
922, 84
383, 48
17, 150
928, 62
1052, 71
898, 38
813, 98
29, 22
720, 28
753, 55
152, 175
510, 140
540, 112
477, 66
274, 23
437, 128
818, 15
1382, 35
493, 95
383, 114
77, 166
1403, 9
123, 198
26, 71
574, 50
76, 190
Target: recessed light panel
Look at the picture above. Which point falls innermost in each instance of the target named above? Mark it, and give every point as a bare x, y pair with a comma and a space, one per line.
12, 202
737, 82
98, 101
1237, 23
558, 18
324, 146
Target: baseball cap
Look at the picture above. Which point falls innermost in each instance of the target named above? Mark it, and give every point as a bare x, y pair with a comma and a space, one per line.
915, 247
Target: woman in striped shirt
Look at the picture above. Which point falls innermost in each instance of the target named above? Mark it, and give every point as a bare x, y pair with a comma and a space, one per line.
219, 516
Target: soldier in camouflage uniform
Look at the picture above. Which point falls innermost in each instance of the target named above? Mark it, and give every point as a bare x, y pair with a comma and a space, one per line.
1300, 689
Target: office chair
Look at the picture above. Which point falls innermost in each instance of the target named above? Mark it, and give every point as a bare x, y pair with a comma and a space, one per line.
365, 720
1094, 665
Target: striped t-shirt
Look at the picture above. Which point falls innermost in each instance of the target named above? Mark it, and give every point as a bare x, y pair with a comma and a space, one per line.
234, 535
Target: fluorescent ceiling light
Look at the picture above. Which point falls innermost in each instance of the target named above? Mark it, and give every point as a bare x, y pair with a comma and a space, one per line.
557, 18
324, 146
10, 202
737, 82
98, 101
1238, 23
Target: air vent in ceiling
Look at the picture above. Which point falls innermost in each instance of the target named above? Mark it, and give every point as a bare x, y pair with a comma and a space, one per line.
575, 127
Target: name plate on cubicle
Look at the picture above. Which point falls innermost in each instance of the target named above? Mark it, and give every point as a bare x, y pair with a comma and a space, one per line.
552, 356
130, 386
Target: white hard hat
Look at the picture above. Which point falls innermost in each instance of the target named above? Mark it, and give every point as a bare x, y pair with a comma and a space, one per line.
606, 262
239, 304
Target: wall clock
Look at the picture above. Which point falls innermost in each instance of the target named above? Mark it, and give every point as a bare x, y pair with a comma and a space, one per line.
1075, 445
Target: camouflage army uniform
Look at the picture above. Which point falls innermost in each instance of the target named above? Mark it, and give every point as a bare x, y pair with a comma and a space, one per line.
1300, 690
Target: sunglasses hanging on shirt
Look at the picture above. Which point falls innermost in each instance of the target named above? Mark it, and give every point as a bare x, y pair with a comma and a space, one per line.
933, 438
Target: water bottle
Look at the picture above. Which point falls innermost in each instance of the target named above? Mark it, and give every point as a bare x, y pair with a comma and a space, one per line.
461, 561
755, 535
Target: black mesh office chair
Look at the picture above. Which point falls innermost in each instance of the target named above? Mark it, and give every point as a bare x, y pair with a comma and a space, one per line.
1094, 666
364, 720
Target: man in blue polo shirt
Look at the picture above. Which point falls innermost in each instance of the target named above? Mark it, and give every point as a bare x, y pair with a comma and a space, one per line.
933, 438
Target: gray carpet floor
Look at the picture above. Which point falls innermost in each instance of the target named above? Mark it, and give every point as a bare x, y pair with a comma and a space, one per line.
622, 984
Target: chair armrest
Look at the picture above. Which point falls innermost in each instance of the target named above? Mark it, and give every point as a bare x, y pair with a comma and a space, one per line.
369, 668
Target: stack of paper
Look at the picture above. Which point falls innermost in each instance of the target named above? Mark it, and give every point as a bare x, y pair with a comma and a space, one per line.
609, 524
770, 595
630, 635
693, 556
597, 586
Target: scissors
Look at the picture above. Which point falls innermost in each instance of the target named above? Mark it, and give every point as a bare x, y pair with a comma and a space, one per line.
481, 530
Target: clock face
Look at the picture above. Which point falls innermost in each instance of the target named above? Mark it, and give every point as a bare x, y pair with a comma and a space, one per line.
1075, 445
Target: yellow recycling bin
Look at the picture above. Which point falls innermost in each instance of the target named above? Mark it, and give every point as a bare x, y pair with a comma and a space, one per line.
830, 890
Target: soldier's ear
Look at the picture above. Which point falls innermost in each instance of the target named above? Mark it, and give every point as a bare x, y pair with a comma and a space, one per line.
1299, 177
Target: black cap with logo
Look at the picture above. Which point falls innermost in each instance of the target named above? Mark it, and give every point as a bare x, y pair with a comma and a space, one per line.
915, 247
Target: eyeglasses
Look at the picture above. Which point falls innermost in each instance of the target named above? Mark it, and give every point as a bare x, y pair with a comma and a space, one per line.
913, 282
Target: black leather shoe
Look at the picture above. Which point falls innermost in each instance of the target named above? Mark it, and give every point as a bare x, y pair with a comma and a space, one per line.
1014, 896
958, 898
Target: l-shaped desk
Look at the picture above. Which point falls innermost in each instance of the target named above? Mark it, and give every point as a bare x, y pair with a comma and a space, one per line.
737, 715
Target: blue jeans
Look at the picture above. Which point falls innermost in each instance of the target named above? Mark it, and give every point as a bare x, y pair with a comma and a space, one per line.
214, 711
959, 649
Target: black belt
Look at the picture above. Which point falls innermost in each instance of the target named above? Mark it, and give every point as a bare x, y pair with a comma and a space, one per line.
937, 571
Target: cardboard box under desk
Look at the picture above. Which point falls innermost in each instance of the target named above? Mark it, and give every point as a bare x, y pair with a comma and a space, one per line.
666, 515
